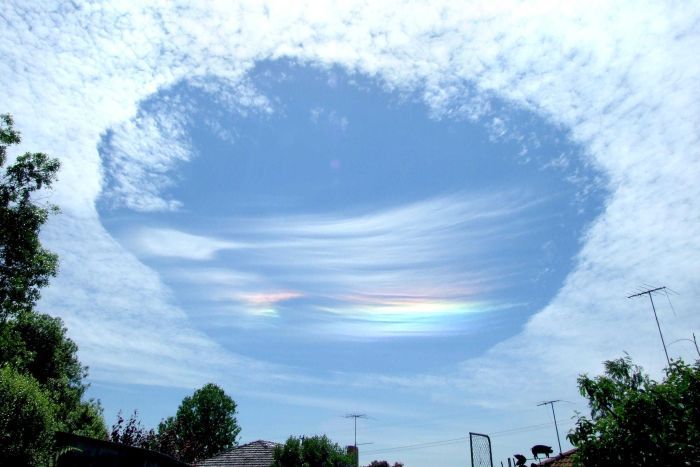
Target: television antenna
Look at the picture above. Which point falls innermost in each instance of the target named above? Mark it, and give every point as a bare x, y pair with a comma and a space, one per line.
649, 292
556, 427
355, 416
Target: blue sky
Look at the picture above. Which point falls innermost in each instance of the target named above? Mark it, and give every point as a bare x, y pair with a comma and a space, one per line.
431, 214
343, 220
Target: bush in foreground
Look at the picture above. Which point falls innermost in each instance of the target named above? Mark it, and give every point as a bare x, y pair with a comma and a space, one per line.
26, 420
314, 451
638, 421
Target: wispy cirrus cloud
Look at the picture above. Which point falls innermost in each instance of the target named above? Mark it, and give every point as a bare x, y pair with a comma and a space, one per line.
398, 266
174, 244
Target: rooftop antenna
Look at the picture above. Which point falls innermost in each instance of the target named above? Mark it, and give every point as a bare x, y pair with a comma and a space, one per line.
649, 292
556, 427
356, 416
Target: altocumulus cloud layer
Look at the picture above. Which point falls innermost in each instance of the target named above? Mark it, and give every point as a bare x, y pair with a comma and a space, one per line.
622, 76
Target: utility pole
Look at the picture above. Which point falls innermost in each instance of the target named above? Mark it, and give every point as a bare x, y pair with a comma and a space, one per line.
356, 416
649, 292
556, 427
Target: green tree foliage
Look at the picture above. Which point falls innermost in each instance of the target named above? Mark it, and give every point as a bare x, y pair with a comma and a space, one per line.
168, 440
36, 344
34, 347
636, 421
25, 266
205, 425
26, 420
314, 451
384, 464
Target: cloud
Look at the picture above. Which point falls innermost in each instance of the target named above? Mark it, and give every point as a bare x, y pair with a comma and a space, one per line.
133, 334
329, 117
269, 298
174, 244
141, 155
388, 271
620, 76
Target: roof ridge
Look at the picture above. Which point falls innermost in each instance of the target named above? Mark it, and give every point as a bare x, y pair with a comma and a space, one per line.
257, 441
256, 453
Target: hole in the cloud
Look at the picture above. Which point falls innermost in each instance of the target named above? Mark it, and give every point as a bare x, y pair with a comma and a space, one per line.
313, 205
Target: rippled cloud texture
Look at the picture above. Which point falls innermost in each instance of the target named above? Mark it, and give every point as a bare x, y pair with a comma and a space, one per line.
621, 77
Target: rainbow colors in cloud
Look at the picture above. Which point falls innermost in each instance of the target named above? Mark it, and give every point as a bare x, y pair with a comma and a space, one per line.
428, 267
401, 315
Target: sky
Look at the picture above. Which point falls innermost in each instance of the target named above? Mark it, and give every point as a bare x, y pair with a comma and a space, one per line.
431, 214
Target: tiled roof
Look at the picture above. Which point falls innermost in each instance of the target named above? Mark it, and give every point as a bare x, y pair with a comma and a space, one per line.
566, 459
255, 454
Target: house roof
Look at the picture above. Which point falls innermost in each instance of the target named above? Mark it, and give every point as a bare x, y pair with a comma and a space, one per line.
565, 459
255, 454
91, 451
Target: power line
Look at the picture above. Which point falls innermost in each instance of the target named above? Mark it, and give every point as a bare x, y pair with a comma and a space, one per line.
693, 340
445, 442
649, 292
520, 429
429, 444
427, 422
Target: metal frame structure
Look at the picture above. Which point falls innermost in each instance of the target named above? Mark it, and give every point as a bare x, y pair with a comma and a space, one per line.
471, 446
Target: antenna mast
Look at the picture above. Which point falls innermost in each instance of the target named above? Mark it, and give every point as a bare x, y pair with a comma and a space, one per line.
356, 416
649, 292
556, 427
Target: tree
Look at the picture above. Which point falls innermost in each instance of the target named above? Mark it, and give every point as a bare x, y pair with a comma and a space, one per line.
42, 377
26, 420
132, 433
204, 425
25, 266
638, 421
384, 464
314, 451
168, 441
36, 345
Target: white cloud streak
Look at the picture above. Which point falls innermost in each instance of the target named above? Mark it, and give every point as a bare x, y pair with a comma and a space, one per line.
392, 271
174, 244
